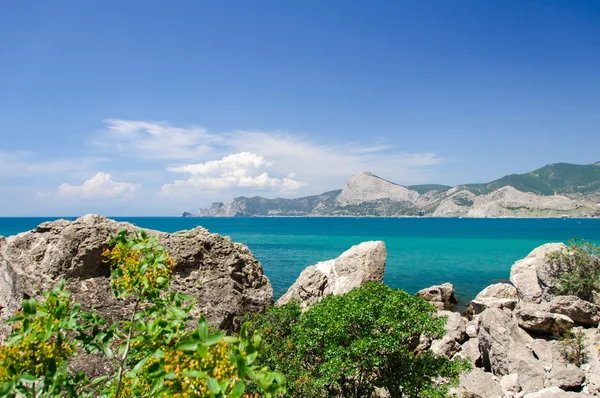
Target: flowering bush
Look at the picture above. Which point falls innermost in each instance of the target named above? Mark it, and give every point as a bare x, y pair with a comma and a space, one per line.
155, 352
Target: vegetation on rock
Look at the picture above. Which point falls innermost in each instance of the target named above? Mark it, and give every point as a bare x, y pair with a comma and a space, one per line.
348, 345
576, 270
155, 353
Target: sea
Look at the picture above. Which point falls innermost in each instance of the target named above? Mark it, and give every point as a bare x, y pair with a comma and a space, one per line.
470, 253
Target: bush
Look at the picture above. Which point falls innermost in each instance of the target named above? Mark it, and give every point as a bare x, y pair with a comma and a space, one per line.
576, 270
346, 346
573, 347
155, 353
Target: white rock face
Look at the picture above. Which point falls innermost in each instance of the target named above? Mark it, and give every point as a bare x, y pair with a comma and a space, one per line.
359, 264
505, 201
499, 295
524, 273
364, 187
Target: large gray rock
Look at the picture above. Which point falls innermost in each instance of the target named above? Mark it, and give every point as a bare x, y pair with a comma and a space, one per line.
552, 392
455, 335
470, 351
536, 318
499, 295
531, 275
506, 349
478, 384
439, 295
567, 377
580, 311
359, 264
224, 277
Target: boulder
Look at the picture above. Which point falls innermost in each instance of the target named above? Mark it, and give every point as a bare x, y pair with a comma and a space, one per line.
552, 392
536, 318
470, 351
510, 384
580, 311
531, 275
499, 295
223, 276
359, 264
478, 384
455, 334
567, 377
473, 327
439, 295
506, 349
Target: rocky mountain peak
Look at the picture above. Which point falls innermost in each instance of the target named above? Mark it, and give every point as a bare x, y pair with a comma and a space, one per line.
364, 186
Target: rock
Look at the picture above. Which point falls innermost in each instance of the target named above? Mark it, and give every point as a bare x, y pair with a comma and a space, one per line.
506, 349
552, 392
473, 327
470, 351
478, 384
224, 277
359, 264
499, 295
510, 384
439, 295
567, 377
455, 335
580, 311
530, 275
536, 318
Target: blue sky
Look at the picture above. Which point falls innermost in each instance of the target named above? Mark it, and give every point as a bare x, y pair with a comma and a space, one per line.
153, 107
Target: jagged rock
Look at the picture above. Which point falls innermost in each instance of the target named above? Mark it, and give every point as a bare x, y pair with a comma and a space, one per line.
531, 275
510, 384
224, 277
499, 295
537, 319
359, 264
470, 351
580, 311
552, 392
473, 327
478, 384
439, 295
455, 334
505, 349
566, 377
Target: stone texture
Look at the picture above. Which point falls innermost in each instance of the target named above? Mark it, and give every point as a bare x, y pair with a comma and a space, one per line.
455, 334
566, 377
536, 318
478, 384
499, 295
439, 295
530, 275
359, 264
470, 351
506, 349
552, 392
580, 311
224, 277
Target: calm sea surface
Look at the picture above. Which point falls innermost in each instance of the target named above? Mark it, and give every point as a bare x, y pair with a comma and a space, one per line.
470, 253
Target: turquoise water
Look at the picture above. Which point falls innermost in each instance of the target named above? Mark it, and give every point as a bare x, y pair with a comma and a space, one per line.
470, 253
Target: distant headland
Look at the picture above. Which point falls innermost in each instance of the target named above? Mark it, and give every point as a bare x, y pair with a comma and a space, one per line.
555, 190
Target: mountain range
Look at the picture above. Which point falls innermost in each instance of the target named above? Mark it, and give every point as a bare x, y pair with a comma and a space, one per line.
555, 190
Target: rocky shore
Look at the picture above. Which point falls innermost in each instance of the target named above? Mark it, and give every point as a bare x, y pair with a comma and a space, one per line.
511, 333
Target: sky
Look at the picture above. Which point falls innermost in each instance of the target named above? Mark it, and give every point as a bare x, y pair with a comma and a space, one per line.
148, 107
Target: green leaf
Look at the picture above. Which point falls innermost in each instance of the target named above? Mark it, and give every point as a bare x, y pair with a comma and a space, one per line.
213, 385
108, 352
98, 380
29, 306
238, 389
194, 374
27, 378
188, 345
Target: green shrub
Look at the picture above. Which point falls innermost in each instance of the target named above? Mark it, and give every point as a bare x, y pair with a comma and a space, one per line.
573, 347
576, 270
154, 352
346, 346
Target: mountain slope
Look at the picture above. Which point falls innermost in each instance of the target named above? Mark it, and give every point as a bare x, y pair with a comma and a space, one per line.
553, 190
562, 178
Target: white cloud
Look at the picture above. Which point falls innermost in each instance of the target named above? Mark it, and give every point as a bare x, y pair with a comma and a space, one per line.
157, 140
100, 186
26, 164
240, 170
